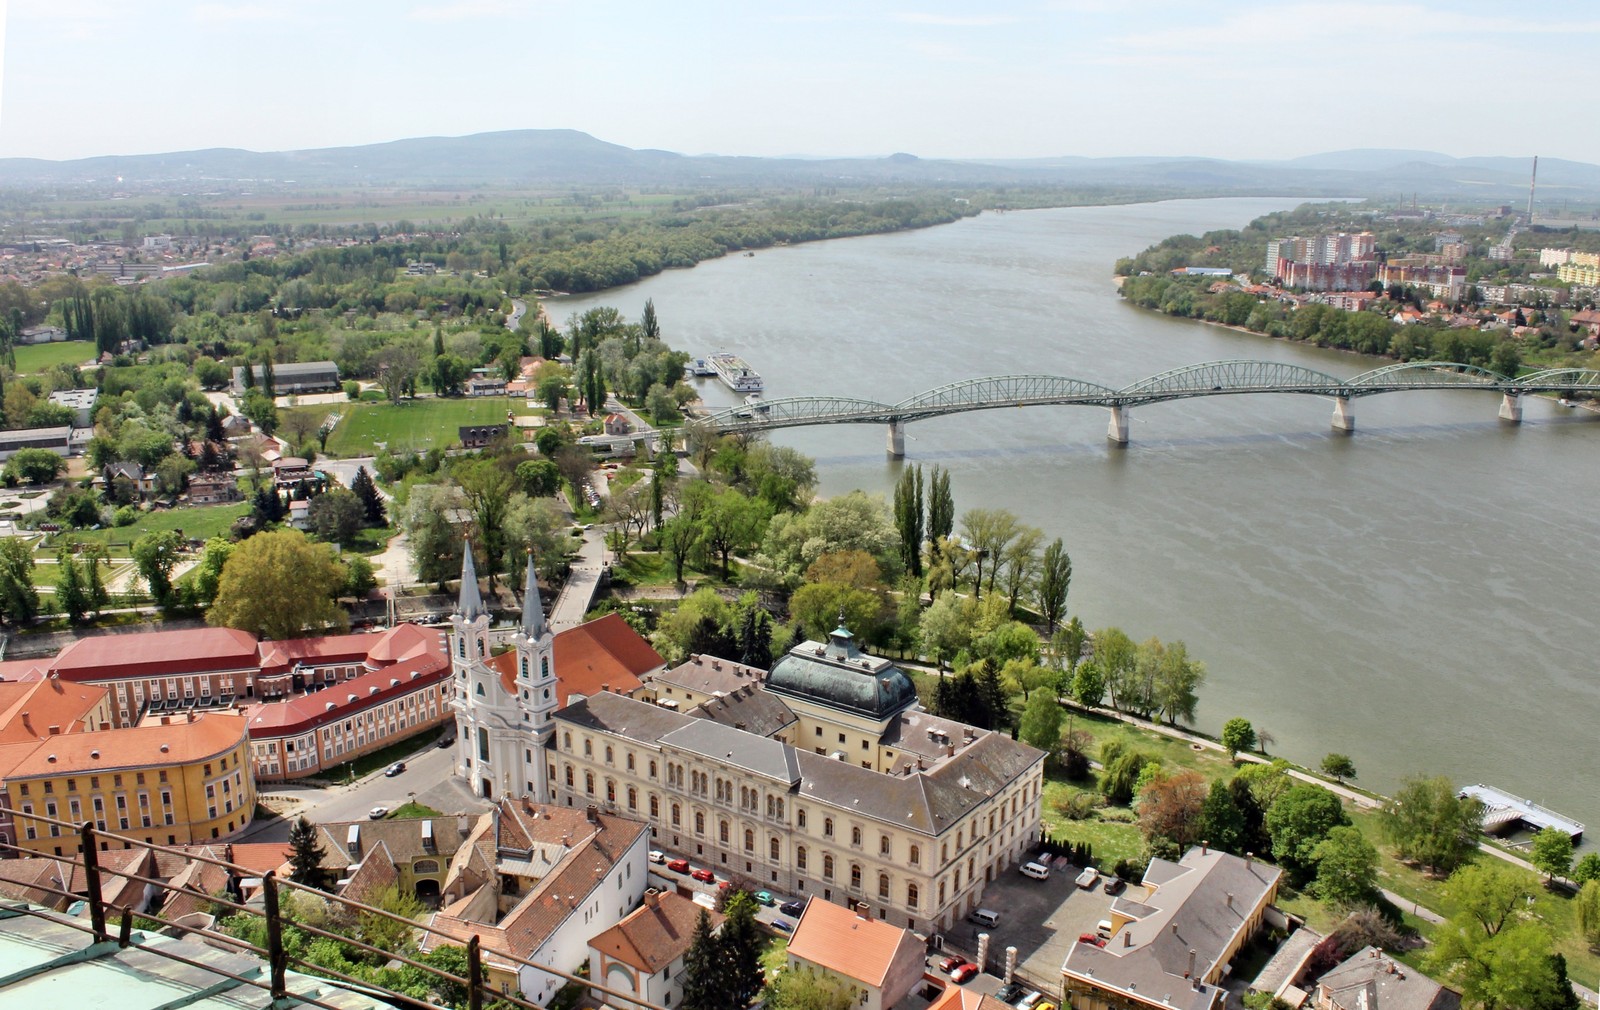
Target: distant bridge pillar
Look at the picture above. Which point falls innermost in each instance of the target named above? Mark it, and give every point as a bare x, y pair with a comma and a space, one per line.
897, 439
1117, 430
1511, 408
1344, 419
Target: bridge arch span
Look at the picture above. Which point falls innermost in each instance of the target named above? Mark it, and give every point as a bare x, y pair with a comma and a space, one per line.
1236, 376
1425, 375
796, 411
1003, 391
1558, 379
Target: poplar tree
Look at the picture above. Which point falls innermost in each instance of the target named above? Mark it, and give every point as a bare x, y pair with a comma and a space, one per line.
941, 505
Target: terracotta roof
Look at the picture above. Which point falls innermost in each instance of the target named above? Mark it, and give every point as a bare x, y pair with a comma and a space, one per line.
308, 711
158, 653
655, 935
180, 743
52, 702
27, 878
276, 657
376, 872
259, 857
23, 669
837, 939
600, 654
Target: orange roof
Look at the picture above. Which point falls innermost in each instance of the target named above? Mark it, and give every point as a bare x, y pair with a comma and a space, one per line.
338, 701
181, 742
157, 653
837, 939
601, 654
259, 857
47, 703
656, 934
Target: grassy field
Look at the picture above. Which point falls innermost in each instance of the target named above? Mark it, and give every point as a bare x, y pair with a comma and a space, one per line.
200, 522
416, 425
38, 357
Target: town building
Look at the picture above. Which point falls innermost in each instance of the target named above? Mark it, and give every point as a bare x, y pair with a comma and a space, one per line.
213, 489
1581, 268
536, 882
43, 335
173, 781
880, 962
1446, 282
127, 470
292, 377
1173, 936
57, 439
415, 853
644, 953
477, 436
618, 424
1336, 262
80, 402
486, 383
699, 679
1371, 980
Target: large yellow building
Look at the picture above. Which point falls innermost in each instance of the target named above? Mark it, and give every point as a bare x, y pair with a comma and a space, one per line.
184, 779
1582, 269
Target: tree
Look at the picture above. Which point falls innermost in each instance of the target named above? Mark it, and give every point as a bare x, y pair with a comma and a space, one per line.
448, 375
1173, 808
805, 989
944, 628
1511, 968
821, 606
728, 520
538, 478
34, 466
1120, 776
366, 490
306, 855
941, 505
71, 593
1587, 869
208, 572
487, 489
259, 408
336, 516
740, 944
154, 554
1488, 895
172, 474
277, 585
1221, 822
1298, 822
1238, 735
1178, 678
908, 518
435, 544
94, 584
1347, 868
678, 537
383, 932
1088, 685
1339, 766
1428, 823
704, 983
1041, 723
1551, 853
1055, 578
399, 364
1586, 908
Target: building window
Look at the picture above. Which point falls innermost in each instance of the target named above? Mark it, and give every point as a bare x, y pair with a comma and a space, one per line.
855, 837
677, 815
800, 857
883, 886
749, 840
827, 866
655, 806
608, 753
827, 827
569, 776
883, 845
633, 798
588, 783
916, 855
772, 849
855, 876
722, 831
699, 823
911, 896
483, 744
800, 817
611, 791
588, 747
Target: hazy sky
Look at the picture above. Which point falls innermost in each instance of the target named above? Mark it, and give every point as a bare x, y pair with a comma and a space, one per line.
1007, 78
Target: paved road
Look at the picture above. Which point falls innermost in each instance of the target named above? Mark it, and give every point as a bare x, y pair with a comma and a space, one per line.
578, 593
519, 308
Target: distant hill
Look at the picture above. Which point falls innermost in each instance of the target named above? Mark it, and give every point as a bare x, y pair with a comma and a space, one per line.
568, 157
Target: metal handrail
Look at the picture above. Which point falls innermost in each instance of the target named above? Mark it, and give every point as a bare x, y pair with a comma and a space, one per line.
277, 957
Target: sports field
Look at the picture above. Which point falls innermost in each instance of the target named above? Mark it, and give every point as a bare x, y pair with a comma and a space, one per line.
411, 425
33, 358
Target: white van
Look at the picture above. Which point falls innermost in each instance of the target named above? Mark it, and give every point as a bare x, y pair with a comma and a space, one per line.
1038, 871
985, 917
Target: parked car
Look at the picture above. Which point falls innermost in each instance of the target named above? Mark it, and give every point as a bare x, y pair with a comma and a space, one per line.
378, 813
783, 925
765, 898
678, 866
966, 973
1010, 992
1044, 1006
703, 875
792, 907
1088, 878
1027, 1002
1116, 885
951, 962
395, 769
657, 856
444, 742
1098, 941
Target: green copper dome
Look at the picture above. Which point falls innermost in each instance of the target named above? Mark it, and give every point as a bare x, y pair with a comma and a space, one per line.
840, 676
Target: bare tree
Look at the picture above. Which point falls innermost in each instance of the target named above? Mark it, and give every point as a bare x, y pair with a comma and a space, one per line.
399, 364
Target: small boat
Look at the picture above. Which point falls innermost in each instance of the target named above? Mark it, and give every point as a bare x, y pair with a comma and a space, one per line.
1566, 402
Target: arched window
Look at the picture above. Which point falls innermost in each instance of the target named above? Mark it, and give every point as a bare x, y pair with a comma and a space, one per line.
699, 823
544, 668
588, 783
677, 815
588, 747
480, 689
749, 840
772, 848
827, 827
780, 810
569, 776
722, 831
461, 646
799, 817
800, 857
855, 876
912, 894
608, 753
630, 761
883, 886
633, 798
827, 866
916, 855
855, 837
524, 667
655, 805
566, 741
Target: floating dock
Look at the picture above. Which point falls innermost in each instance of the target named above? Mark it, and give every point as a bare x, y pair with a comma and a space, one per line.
1504, 812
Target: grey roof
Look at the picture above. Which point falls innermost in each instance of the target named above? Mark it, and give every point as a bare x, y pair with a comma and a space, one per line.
710, 675
839, 676
623, 716
1369, 980
124, 468
748, 709
1200, 903
770, 758
470, 605
290, 370
532, 607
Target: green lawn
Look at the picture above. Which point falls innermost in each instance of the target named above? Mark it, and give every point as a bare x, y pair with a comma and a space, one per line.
413, 809
650, 568
200, 522
49, 574
416, 424
39, 357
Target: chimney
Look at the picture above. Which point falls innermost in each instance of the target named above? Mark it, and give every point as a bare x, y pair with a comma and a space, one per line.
605, 688
1190, 972
1127, 938
1249, 858
1230, 899
593, 813
25, 724
104, 726
1205, 847
949, 750
55, 730
863, 910
652, 897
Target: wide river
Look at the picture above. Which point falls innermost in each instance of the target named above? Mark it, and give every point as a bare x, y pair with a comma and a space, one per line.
1412, 595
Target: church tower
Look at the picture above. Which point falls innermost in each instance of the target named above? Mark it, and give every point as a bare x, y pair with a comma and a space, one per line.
537, 692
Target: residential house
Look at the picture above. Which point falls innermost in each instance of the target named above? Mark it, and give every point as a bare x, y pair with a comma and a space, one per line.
618, 424
144, 483
881, 962
476, 436
1371, 980
644, 953
213, 489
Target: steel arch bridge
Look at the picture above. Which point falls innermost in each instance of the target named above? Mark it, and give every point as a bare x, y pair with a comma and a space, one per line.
1210, 378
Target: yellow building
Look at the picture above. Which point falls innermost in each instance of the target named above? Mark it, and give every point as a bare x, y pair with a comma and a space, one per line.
1582, 269
182, 780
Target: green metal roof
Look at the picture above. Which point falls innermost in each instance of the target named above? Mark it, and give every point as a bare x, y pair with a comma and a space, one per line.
840, 676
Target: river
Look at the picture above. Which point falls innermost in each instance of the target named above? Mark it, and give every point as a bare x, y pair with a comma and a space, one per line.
1412, 595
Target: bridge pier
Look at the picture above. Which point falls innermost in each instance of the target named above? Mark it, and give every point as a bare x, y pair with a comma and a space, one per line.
1117, 430
1511, 408
897, 439
1344, 419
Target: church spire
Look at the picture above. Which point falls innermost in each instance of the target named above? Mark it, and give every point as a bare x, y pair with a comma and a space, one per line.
470, 605
532, 606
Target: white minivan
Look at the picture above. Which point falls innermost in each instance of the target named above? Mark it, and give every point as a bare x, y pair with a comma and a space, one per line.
1038, 871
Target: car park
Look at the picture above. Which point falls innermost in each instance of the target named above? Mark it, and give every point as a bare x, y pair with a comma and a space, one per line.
678, 866
703, 875
378, 813
657, 856
966, 973
951, 963
394, 769
1010, 992
792, 907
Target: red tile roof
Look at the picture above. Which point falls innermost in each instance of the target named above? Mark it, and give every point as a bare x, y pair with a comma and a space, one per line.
46, 703
158, 653
182, 742
836, 938
601, 654
655, 935
338, 701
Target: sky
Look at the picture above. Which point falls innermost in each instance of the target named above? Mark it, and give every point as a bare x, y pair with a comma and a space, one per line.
999, 79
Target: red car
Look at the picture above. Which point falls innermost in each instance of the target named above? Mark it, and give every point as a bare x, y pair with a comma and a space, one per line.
678, 866
704, 875
964, 973
951, 963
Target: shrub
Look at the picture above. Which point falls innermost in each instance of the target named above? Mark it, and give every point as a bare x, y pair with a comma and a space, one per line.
127, 515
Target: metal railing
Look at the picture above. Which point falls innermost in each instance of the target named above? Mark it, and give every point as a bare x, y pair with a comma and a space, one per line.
275, 953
